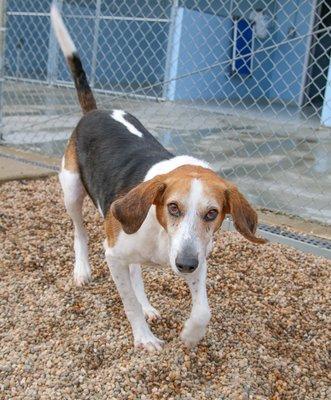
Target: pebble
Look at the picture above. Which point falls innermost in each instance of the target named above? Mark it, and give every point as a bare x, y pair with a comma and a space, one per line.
267, 338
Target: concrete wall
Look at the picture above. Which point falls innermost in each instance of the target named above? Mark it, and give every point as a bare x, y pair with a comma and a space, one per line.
278, 73
27, 39
288, 71
132, 54
206, 40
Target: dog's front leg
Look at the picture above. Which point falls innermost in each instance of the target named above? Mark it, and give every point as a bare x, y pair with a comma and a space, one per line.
195, 327
143, 337
150, 312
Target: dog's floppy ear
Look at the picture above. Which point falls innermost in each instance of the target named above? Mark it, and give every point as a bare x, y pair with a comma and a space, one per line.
243, 215
131, 210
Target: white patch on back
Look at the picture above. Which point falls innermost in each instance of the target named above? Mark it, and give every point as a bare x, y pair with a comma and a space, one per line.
118, 115
163, 167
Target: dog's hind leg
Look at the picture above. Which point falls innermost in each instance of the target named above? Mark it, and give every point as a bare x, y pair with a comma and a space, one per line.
137, 282
74, 194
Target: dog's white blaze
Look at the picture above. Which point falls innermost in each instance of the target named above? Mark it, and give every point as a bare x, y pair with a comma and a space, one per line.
118, 115
192, 210
67, 45
186, 231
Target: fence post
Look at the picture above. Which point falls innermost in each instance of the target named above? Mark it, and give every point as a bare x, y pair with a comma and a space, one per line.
53, 52
326, 110
95, 42
2, 57
175, 29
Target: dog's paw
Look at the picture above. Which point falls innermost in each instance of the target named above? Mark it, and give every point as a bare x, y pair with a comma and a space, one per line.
189, 342
82, 273
151, 313
192, 334
81, 280
148, 341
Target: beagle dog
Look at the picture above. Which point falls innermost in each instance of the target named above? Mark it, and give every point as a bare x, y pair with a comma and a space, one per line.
158, 209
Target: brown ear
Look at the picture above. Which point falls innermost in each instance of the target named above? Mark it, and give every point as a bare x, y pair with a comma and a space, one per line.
131, 210
243, 215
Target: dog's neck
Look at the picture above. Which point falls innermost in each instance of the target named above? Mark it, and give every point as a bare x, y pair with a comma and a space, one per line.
163, 167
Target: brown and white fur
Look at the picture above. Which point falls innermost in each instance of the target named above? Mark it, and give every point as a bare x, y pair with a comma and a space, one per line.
163, 210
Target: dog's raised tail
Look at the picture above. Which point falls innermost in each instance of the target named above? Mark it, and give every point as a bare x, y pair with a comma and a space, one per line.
84, 92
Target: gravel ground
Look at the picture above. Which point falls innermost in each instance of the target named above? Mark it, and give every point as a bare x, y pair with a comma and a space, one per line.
267, 339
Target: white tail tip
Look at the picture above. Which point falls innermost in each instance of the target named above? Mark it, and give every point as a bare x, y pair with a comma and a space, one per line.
61, 32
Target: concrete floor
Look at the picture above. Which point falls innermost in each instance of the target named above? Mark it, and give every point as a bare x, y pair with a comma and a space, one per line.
280, 161
17, 164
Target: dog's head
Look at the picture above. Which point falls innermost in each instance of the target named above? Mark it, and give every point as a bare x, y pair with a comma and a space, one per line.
191, 203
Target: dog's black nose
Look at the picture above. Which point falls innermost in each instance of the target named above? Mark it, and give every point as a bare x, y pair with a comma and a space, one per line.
186, 265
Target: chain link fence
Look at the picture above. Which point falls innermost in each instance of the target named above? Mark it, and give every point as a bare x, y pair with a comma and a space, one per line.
241, 83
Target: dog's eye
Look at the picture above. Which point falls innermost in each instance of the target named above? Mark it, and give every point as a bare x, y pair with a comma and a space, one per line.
211, 215
173, 209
